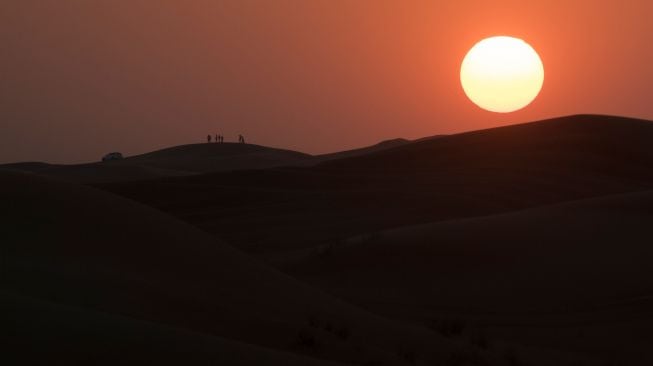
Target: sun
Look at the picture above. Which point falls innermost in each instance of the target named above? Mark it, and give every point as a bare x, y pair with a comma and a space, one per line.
502, 74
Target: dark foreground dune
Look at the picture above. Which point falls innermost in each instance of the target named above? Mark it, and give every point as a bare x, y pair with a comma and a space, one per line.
88, 277
39, 332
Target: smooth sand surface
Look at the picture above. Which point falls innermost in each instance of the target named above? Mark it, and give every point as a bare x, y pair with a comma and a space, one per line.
582, 267
90, 252
38, 332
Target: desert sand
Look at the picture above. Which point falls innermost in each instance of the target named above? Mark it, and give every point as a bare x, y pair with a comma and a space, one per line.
82, 269
186, 160
527, 244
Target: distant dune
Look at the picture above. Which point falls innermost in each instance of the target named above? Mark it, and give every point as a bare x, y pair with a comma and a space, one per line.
604, 142
383, 145
174, 161
186, 160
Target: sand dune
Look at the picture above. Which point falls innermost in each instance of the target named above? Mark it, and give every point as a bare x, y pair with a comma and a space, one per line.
567, 254
533, 233
46, 333
383, 145
201, 158
537, 233
175, 161
575, 268
185, 160
466, 175
94, 253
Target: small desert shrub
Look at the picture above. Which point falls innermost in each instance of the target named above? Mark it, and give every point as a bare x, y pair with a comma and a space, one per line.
328, 327
325, 250
343, 333
448, 327
313, 321
512, 358
306, 339
480, 340
372, 363
464, 358
454, 359
370, 237
408, 355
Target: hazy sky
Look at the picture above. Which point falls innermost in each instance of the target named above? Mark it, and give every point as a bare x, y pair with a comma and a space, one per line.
80, 78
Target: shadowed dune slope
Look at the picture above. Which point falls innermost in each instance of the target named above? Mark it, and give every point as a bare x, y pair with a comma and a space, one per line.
44, 333
575, 253
574, 276
566, 140
471, 174
92, 253
383, 145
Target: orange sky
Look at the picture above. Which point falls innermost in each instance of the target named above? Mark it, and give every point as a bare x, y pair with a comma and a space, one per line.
81, 78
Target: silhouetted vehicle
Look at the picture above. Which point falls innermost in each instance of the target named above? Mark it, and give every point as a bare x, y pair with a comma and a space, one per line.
112, 156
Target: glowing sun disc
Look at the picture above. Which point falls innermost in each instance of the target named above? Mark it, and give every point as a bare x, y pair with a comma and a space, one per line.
502, 74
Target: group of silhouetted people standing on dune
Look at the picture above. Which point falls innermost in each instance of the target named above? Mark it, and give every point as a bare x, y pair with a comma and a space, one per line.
220, 138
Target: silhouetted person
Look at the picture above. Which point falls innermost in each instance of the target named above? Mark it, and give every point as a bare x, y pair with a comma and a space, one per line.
208, 138
241, 139
217, 138
221, 139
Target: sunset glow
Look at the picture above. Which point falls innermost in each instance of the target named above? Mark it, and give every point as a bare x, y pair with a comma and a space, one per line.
84, 78
502, 74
